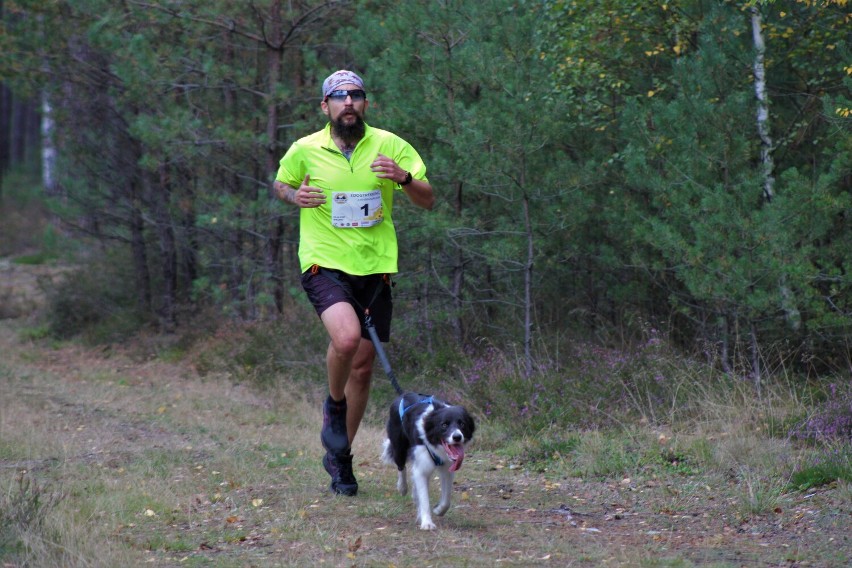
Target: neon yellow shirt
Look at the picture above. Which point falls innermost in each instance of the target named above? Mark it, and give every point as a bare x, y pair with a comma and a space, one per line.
356, 250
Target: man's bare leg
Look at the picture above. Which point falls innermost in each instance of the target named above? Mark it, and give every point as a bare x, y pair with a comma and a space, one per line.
358, 386
349, 363
344, 329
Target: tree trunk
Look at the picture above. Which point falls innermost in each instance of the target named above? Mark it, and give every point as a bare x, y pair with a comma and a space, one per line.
756, 374
168, 250
5, 131
457, 289
276, 235
189, 244
48, 150
792, 315
139, 251
762, 105
5, 95
18, 139
528, 298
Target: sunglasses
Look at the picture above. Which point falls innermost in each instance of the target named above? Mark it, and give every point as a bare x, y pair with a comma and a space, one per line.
341, 94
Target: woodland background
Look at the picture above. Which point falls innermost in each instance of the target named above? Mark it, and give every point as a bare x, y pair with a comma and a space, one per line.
616, 171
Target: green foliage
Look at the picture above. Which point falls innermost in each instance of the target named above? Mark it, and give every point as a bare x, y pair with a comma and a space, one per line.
95, 302
25, 224
269, 354
597, 163
35, 333
827, 468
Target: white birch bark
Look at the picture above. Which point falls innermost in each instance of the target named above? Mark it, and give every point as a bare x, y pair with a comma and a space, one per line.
762, 105
48, 149
792, 314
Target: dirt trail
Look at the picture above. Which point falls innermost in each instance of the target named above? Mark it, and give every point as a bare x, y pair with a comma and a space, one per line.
177, 470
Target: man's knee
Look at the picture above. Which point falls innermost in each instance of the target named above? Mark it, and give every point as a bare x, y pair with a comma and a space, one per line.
362, 365
346, 345
360, 376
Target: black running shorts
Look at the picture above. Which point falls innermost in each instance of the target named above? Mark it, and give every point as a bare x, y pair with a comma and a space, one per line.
372, 291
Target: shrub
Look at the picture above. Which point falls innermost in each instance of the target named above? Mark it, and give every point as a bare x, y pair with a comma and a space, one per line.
97, 302
825, 468
24, 508
831, 420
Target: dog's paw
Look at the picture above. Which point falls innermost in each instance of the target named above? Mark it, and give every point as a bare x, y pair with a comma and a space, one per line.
427, 525
402, 484
439, 510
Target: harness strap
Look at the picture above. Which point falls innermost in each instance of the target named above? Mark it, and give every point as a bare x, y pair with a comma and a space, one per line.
403, 409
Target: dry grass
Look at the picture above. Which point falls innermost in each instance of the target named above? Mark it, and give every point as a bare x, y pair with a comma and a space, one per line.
146, 462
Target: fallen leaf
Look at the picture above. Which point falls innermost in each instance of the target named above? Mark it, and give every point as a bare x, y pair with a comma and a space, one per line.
354, 546
231, 519
256, 502
150, 513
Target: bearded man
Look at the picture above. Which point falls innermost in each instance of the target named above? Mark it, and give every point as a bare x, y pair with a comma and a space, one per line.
343, 178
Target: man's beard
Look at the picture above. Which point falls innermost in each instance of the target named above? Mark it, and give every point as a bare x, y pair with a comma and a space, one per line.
349, 133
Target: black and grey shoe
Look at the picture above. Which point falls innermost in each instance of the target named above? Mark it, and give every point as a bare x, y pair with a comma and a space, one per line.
334, 436
339, 467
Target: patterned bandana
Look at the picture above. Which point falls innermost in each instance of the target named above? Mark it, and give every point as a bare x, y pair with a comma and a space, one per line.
338, 78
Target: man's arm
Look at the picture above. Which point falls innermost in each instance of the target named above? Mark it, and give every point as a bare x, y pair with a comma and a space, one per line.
419, 192
284, 192
305, 196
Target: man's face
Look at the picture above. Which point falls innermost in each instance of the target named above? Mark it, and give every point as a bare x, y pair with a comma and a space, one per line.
345, 114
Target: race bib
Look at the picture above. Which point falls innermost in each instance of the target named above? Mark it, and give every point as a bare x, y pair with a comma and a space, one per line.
356, 209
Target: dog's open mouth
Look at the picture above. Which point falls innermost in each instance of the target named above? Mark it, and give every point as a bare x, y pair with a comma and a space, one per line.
456, 454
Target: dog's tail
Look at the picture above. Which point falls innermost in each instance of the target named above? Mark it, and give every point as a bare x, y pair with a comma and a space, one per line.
387, 452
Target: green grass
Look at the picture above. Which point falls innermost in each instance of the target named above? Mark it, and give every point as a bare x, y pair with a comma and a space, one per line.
830, 467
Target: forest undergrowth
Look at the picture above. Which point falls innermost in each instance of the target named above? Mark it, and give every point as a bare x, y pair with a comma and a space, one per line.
202, 450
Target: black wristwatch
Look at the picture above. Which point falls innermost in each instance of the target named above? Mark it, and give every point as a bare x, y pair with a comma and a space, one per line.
407, 179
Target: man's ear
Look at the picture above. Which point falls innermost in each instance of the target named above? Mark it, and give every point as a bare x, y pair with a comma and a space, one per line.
324, 107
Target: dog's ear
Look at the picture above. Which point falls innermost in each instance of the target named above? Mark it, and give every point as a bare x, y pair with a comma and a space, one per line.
463, 419
469, 425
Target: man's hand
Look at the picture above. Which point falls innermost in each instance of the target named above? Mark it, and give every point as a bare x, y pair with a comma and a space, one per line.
418, 191
305, 196
386, 168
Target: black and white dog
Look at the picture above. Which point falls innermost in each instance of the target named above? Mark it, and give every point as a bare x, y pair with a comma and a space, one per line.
430, 434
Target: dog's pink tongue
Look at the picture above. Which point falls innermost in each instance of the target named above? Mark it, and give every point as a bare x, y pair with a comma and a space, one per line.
456, 455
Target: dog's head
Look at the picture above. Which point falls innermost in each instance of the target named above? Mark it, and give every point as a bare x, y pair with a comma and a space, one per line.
450, 427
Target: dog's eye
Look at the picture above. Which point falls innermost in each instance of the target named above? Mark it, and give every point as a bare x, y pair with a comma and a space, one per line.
445, 425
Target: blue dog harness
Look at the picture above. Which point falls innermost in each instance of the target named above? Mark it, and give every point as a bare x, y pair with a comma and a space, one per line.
403, 409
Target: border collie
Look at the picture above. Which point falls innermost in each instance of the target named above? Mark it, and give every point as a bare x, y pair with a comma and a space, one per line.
430, 434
